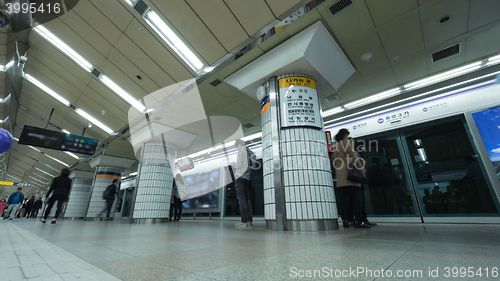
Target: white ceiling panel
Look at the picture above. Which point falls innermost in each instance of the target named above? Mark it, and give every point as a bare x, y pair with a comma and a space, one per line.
483, 12
381, 80
115, 11
105, 93
404, 38
476, 47
110, 108
120, 78
384, 11
155, 50
369, 44
433, 31
283, 8
95, 18
252, 15
189, 25
344, 25
86, 32
94, 109
218, 18
354, 90
411, 69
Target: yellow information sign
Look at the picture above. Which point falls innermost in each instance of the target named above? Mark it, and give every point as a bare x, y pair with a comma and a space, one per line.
297, 81
6, 183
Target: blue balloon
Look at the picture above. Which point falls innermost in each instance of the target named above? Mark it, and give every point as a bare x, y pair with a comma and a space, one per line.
5, 140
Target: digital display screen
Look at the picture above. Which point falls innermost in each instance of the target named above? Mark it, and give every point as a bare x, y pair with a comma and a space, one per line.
44, 138
488, 125
202, 190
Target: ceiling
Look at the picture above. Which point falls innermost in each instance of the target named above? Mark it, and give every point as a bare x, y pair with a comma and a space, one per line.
401, 35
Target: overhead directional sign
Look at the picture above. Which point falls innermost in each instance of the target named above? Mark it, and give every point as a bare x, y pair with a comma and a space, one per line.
14, 183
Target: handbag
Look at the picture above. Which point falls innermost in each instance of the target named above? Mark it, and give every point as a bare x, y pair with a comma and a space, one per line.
355, 174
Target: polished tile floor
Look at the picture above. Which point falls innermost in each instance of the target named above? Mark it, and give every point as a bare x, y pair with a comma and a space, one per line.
215, 250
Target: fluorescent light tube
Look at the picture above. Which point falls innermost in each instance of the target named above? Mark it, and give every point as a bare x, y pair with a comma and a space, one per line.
445, 75
373, 98
173, 41
71, 154
332, 111
36, 179
9, 65
94, 121
251, 137
45, 172
33, 148
2, 68
57, 160
4, 120
63, 47
130, 3
126, 96
66, 131
46, 89
40, 176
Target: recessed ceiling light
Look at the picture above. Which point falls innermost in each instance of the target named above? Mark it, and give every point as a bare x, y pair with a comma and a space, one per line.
444, 19
396, 57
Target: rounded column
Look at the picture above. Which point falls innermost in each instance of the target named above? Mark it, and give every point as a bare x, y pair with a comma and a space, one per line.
103, 178
81, 189
298, 185
154, 182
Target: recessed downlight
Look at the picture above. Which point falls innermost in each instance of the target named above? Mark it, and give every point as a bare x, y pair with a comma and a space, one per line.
444, 19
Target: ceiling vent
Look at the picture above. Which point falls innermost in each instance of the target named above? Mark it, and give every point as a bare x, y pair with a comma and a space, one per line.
339, 6
141, 7
215, 82
332, 98
446, 53
248, 125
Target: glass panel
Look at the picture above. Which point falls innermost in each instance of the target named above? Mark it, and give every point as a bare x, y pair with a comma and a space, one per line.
448, 177
386, 191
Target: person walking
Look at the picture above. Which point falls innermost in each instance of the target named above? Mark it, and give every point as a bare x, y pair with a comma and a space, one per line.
350, 192
29, 206
242, 175
59, 189
36, 207
14, 202
3, 206
109, 195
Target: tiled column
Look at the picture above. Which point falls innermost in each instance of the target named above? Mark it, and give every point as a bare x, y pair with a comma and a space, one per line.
108, 168
298, 186
79, 197
154, 182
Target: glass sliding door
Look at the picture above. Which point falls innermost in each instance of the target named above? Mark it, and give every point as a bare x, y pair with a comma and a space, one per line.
448, 178
388, 191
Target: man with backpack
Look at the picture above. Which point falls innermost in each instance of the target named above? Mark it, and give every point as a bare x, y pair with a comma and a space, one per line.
109, 196
242, 169
15, 200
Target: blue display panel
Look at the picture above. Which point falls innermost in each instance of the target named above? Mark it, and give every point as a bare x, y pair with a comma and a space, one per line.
488, 125
203, 191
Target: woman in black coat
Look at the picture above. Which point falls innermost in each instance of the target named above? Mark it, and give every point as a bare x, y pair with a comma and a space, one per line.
59, 189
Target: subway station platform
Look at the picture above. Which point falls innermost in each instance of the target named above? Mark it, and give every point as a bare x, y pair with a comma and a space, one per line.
215, 250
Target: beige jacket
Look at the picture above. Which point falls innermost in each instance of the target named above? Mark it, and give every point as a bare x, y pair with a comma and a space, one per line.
341, 151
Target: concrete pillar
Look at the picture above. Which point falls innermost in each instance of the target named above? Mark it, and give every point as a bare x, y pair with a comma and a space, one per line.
79, 197
108, 168
154, 182
298, 186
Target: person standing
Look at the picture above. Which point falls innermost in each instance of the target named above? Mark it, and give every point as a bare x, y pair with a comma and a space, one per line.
109, 195
178, 184
36, 207
15, 200
351, 192
3, 205
243, 185
59, 189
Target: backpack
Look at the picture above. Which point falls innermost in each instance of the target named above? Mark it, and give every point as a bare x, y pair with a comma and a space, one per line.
106, 193
253, 164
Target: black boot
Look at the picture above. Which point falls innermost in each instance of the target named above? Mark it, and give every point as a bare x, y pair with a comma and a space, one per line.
359, 224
